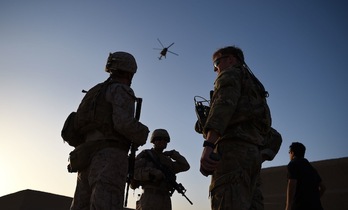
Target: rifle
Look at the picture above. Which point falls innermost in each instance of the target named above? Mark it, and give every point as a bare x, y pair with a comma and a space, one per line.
133, 149
170, 177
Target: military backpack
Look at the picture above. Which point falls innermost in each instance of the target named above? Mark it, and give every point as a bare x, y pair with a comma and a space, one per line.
88, 115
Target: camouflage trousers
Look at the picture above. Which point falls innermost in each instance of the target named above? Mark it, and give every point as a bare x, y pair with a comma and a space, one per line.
152, 200
257, 202
234, 181
101, 185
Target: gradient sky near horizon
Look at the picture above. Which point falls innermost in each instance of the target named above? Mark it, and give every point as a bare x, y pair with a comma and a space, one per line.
51, 50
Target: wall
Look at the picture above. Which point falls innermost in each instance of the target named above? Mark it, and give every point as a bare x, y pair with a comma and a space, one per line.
334, 174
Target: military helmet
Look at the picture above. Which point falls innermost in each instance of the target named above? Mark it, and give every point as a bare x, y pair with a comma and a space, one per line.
160, 134
121, 61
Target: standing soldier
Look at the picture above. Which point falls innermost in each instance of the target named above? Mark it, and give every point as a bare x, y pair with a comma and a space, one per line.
151, 168
238, 119
101, 184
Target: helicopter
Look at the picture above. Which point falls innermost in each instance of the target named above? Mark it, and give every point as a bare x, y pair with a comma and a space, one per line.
164, 50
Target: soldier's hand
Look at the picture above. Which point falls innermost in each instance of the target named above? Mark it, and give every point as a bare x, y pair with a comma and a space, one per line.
208, 164
172, 154
168, 153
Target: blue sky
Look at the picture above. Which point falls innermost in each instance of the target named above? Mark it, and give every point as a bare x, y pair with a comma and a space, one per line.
51, 50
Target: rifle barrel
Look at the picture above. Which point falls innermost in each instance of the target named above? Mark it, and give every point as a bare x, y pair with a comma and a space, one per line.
131, 157
187, 199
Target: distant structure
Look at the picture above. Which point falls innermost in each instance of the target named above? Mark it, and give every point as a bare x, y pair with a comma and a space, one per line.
34, 200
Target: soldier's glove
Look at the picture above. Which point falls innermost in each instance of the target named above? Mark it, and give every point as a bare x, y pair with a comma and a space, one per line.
172, 154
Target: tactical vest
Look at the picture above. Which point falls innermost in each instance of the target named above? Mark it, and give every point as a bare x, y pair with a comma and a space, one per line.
252, 105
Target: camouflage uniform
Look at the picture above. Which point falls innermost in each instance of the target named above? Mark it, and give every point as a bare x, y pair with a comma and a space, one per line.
269, 150
234, 181
156, 191
257, 201
102, 184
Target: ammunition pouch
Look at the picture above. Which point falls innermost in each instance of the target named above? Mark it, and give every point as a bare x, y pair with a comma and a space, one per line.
81, 156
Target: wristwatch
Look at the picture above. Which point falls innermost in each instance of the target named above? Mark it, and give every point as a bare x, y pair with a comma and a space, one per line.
208, 144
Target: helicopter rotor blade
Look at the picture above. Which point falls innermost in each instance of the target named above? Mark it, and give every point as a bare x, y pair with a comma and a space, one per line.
170, 45
173, 53
160, 42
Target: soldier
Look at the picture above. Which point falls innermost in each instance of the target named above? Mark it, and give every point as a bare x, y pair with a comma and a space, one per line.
238, 119
152, 178
101, 185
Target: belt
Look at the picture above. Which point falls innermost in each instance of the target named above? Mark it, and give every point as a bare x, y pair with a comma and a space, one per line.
236, 141
112, 143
